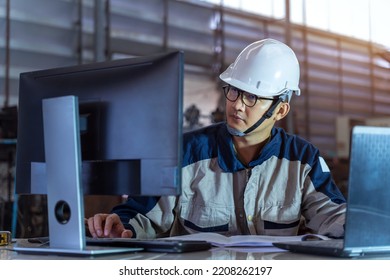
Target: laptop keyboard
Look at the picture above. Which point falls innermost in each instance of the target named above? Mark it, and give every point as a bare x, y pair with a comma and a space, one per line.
151, 245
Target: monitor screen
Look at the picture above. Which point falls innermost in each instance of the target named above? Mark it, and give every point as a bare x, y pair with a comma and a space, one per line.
130, 120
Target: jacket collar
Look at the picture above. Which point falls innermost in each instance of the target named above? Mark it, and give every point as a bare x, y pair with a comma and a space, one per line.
227, 158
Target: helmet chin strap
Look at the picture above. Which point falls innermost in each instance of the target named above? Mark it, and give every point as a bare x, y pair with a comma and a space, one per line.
267, 115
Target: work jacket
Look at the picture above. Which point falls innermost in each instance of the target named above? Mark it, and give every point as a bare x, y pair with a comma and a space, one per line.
289, 183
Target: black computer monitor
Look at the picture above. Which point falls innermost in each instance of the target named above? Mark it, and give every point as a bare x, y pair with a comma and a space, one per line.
130, 113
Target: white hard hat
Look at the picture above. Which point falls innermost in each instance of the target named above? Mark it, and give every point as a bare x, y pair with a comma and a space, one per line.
265, 68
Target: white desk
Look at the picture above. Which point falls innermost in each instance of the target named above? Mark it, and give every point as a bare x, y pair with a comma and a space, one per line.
216, 253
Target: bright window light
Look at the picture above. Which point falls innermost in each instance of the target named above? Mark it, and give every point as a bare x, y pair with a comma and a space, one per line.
362, 19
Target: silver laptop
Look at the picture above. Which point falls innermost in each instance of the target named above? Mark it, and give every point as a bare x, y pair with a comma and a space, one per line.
367, 228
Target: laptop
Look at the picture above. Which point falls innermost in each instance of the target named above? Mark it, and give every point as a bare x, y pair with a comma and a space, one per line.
367, 227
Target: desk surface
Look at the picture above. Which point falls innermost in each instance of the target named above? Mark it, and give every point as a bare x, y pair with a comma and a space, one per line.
216, 253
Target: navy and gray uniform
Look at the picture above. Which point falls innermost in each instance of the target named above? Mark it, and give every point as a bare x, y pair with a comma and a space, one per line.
288, 181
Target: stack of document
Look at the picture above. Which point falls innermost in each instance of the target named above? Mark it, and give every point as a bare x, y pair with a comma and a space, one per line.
220, 240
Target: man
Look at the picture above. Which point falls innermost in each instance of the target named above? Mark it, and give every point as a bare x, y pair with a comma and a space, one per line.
244, 176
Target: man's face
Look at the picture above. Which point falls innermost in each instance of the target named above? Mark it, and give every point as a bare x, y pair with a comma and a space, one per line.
241, 117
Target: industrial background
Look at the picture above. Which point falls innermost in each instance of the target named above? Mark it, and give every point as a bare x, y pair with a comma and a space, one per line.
344, 80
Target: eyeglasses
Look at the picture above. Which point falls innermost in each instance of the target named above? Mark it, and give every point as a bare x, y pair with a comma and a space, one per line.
233, 93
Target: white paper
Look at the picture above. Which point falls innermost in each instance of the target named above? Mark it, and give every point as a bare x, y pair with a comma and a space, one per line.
220, 240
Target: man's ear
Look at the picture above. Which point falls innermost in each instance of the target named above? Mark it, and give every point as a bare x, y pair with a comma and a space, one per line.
282, 111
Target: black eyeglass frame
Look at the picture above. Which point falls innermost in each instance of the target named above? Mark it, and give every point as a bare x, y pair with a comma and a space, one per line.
226, 89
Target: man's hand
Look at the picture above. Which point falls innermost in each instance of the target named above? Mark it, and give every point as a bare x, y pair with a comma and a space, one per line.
107, 225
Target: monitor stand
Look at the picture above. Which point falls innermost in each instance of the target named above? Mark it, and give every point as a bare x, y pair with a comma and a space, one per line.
64, 188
